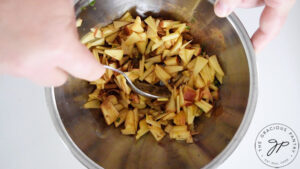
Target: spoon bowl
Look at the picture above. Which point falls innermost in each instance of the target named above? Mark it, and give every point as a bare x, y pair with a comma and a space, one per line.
143, 89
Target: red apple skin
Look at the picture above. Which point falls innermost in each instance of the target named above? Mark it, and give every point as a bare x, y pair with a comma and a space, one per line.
189, 94
188, 103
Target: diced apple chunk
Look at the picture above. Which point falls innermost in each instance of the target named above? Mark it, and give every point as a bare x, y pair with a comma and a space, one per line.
186, 55
87, 38
126, 17
121, 82
132, 39
157, 132
170, 36
110, 113
95, 43
179, 119
175, 49
129, 124
143, 129
108, 30
161, 73
199, 64
213, 61
137, 25
114, 53
171, 105
173, 69
168, 23
78, 22
151, 23
119, 24
142, 46
180, 133
94, 104
206, 107
121, 118
171, 61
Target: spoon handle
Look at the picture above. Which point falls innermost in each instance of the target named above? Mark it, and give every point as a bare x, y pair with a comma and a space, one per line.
132, 86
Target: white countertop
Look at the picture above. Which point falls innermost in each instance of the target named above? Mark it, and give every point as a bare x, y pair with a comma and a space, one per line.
28, 139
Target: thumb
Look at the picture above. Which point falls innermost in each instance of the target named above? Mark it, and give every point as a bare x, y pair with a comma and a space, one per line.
79, 62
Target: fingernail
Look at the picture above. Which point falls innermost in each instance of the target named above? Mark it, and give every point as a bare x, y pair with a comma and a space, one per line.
222, 9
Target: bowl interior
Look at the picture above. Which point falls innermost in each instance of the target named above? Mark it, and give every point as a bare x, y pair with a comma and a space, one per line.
107, 147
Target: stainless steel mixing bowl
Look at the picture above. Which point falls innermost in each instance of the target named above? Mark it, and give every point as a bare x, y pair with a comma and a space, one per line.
97, 145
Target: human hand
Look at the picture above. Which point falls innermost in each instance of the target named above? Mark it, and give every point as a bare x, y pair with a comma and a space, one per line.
39, 41
271, 20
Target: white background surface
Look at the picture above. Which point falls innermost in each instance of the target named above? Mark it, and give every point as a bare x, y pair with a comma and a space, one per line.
28, 139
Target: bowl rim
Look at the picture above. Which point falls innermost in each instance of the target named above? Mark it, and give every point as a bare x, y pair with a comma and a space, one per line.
225, 153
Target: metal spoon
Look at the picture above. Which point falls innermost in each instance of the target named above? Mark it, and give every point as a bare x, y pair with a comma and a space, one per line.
156, 92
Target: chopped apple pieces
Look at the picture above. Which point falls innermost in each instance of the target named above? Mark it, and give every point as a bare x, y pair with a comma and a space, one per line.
156, 52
